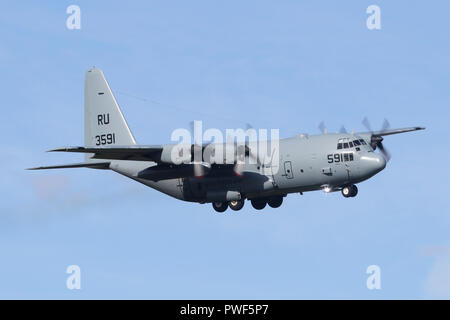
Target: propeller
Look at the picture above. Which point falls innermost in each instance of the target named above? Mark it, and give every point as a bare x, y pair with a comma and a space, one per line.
376, 141
243, 151
322, 127
240, 160
197, 151
248, 150
199, 169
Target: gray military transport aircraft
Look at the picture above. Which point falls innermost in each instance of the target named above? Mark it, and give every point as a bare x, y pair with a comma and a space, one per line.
328, 162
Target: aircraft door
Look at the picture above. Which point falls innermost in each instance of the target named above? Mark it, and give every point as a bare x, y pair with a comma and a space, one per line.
348, 170
288, 174
285, 177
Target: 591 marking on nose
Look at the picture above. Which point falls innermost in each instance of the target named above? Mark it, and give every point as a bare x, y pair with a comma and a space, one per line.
340, 157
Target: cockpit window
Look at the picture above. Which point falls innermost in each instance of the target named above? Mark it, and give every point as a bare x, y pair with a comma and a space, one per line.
346, 143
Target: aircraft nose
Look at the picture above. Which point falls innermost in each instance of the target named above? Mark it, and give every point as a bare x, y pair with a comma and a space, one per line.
380, 162
373, 163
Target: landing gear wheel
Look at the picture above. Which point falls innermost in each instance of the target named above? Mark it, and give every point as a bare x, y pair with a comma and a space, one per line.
236, 205
220, 206
347, 191
354, 191
275, 202
259, 204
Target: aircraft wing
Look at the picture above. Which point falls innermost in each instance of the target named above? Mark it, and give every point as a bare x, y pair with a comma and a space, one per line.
393, 131
139, 153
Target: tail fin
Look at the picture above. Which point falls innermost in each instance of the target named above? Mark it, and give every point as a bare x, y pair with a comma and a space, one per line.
104, 123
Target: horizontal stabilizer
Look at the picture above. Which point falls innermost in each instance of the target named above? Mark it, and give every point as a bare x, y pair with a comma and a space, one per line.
93, 165
142, 153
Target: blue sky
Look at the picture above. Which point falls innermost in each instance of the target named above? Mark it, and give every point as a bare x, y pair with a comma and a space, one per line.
285, 65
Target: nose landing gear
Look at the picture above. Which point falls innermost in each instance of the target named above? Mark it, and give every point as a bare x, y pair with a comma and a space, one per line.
349, 191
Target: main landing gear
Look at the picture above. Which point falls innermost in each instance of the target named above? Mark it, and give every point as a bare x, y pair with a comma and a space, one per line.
236, 205
273, 202
258, 204
349, 191
223, 206
220, 206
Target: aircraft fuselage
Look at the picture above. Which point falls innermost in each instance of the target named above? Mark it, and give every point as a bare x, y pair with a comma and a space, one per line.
305, 163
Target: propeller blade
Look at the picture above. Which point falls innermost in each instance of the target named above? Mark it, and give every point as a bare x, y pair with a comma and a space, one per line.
366, 124
386, 125
241, 153
238, 169
384, 151
322, 127
199, 171
195, 128
254, 156
197, 151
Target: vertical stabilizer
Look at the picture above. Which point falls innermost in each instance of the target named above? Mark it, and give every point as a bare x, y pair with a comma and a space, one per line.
104, 123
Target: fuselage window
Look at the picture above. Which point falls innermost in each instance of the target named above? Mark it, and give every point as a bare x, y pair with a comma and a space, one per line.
345, 145
351, 144
356, 143
351, 156
339, 145
362, 141
346, 157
